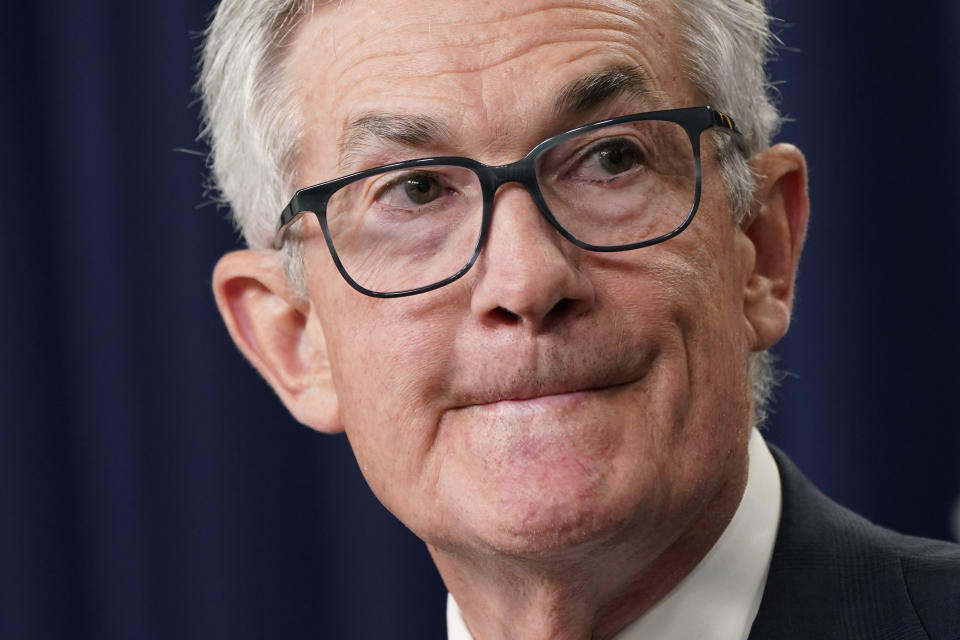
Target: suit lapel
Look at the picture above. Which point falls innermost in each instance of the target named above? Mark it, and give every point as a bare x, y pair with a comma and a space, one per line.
832, 574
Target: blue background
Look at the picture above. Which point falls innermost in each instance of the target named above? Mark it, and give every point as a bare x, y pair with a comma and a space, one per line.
151, 486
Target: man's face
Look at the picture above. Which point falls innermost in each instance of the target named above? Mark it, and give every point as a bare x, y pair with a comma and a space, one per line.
551, 396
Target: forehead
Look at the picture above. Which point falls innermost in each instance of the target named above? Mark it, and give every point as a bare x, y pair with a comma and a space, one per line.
492, 66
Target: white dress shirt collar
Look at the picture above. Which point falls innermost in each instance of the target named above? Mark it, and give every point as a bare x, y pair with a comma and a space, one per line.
718, 599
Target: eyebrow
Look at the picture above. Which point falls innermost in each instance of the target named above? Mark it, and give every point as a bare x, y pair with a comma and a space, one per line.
593, 90
579, 96
402, 129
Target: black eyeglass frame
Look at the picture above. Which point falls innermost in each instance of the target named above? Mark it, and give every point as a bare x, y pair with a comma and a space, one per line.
694, 120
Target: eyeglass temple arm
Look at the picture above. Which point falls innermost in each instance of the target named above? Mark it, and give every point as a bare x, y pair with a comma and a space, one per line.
291, 213
723, 121
725, 124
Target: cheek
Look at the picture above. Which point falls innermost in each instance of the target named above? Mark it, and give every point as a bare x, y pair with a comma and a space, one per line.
382, 367
715, 341
687, 295
389, 361
382, 404
675, 289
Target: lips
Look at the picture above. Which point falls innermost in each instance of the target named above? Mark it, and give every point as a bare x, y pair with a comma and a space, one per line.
497, 369
558, 390
530, 384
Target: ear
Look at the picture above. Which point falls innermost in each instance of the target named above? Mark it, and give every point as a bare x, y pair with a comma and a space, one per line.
775, 230
278, 334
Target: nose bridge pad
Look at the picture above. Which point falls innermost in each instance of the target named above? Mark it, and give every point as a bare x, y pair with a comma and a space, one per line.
524, 174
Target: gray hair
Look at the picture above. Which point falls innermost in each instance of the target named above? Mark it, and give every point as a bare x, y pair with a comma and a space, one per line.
253, 125
250, 119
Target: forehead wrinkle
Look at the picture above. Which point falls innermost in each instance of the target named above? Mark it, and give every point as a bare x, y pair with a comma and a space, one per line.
615, 79
464, 47
464, 61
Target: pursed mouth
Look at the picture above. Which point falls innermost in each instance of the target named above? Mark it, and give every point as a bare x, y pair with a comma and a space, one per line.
558, 393
556, 380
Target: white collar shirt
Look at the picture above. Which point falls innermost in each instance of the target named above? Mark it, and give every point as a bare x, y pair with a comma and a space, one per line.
720, 598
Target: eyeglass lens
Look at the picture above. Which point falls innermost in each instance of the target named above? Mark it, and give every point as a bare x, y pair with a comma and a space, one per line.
612, 186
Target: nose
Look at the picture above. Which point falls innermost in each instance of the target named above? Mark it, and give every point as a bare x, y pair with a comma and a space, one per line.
529, 274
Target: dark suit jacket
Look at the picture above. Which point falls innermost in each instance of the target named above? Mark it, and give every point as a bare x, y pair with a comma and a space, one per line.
835, 575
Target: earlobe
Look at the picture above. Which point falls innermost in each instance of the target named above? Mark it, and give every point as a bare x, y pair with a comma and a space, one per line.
276, 331
775, 231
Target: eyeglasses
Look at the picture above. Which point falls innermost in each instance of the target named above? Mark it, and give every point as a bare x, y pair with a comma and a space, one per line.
414, 226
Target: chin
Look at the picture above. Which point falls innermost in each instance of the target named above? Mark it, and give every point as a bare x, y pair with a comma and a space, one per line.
552, 529
543, 486
546, 520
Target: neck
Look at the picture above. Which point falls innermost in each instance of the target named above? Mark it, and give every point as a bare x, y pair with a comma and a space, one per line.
591, 591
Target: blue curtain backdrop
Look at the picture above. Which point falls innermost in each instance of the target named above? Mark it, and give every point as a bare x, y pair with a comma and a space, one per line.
151, 486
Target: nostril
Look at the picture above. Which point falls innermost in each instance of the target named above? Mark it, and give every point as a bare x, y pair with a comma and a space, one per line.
557, 313
505, 316
561, 312
561, 307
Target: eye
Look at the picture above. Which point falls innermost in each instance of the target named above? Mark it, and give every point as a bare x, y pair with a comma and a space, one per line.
617, 158
609, 159
411, 189
422, 189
